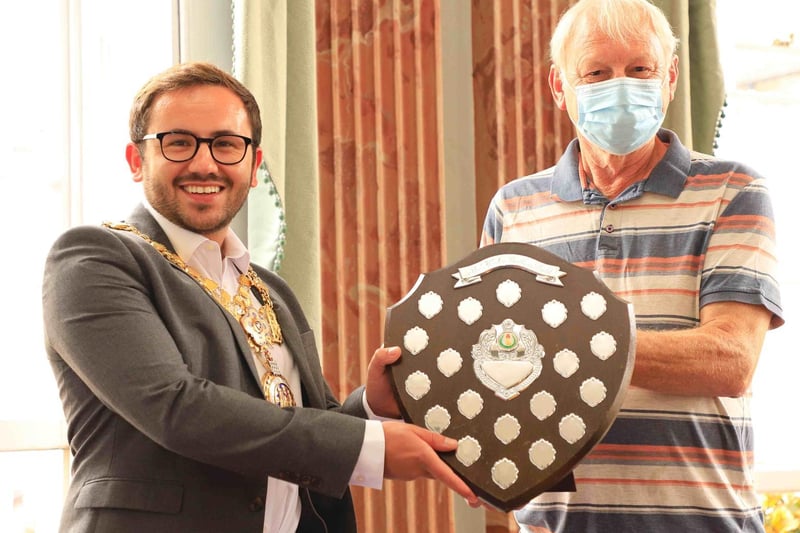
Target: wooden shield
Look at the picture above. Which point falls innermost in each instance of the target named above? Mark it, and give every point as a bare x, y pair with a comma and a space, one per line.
521, 357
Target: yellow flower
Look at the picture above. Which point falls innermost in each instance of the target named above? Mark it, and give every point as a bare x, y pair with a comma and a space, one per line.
781, 520
781, 512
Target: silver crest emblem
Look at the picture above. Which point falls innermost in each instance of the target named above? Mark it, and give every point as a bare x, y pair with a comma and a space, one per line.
508, 358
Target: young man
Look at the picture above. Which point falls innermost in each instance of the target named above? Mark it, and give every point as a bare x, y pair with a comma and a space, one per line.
189, 377
688, 240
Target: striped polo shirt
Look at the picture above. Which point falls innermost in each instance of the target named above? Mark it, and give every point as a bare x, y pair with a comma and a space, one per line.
698, 230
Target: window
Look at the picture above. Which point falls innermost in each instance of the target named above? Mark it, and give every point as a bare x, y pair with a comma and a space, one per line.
762, 67
34, 147
67, 99
71, 69
31, 490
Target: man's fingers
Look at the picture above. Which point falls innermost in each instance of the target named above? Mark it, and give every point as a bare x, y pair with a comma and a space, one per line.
437, 441
439, 470
387, 356
411, 454
379, 389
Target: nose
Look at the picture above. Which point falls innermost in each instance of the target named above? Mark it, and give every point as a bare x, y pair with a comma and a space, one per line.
202, 162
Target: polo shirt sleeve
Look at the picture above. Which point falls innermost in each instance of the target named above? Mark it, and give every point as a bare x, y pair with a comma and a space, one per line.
740, 263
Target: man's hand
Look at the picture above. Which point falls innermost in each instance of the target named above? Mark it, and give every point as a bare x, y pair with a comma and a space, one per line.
411, 454
379, 389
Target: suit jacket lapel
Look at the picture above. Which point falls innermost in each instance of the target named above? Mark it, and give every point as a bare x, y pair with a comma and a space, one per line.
148, 225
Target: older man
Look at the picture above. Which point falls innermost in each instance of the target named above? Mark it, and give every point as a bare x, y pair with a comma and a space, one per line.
688, 240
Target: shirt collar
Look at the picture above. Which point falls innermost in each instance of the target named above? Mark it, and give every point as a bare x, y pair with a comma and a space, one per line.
667, 178
194, 248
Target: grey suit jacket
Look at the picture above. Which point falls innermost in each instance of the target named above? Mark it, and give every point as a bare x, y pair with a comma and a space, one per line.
166, 422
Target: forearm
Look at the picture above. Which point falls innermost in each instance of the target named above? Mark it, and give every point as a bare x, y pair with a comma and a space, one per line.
718, 358
691, 362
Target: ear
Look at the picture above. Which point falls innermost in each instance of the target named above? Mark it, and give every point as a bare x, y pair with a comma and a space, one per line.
134, 159
259, 156
557, 87
673, 77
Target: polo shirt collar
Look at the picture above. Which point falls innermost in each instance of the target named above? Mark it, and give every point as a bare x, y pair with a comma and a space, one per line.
667, 178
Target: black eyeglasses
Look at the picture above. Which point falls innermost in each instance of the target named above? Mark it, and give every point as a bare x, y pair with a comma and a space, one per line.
179, 146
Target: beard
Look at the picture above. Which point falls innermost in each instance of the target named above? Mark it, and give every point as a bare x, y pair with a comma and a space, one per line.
170, 200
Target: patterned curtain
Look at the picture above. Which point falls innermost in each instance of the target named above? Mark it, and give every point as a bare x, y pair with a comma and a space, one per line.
518, 128
380, 176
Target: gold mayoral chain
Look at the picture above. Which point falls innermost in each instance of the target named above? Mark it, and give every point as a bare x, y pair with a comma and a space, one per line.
260, 325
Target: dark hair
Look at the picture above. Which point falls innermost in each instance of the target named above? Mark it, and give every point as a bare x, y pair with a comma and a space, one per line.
183, 76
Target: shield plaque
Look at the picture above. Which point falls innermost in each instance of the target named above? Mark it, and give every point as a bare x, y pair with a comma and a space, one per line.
521, 357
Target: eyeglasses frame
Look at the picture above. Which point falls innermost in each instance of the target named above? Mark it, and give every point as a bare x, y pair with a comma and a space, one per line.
199, 140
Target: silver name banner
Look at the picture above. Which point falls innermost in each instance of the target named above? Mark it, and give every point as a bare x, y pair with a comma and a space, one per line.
545, 273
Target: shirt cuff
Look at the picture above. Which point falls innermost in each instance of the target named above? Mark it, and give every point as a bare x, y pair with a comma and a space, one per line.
369, 467
371, 415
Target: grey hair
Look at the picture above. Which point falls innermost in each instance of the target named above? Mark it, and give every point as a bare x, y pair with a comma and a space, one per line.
621, 20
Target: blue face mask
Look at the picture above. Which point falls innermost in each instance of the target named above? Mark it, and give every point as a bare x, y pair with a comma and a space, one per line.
621, 114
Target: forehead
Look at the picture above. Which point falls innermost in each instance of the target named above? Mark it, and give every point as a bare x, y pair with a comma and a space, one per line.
200, 109
600, 51
589, 49
587, 44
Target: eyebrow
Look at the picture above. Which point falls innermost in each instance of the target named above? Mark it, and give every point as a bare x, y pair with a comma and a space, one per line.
596, 64
216, 133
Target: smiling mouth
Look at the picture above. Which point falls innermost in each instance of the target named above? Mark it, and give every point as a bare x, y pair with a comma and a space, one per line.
202, 189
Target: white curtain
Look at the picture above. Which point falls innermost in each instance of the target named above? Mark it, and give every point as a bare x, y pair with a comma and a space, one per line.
274, 45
